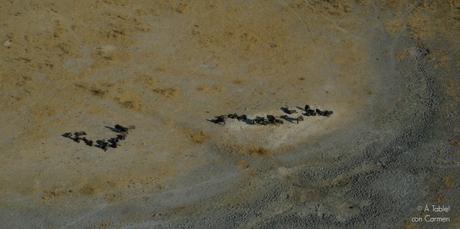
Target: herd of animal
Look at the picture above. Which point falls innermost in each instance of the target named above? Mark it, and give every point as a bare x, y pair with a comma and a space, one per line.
288, 116
104, 144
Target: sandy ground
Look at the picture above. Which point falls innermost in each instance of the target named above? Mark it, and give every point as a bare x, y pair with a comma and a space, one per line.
388, 70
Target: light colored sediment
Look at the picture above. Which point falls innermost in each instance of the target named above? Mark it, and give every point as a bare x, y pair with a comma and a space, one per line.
166, 67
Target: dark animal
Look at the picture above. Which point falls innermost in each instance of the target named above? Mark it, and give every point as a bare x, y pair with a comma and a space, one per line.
232, 116
242, 117
118, 128
291, 119
113, 142
287, 111
75, 137
310, 112
299, 119
249, 121
87, 141
271, 119
218, 120
323, 113
261, 120
67, 135
79, 133
101, 144
319, 112
287, 118
121, 136
121, 128
328, 113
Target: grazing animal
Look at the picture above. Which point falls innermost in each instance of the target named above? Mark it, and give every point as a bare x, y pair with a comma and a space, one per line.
113, 142
102, 144
121, 136
67, 135
291, 119
271, 119
87, 141
242, 117
299, 119
218, 120
249, 121
310, 113
287, 110
232, 116
319, 112
261, 120
323, 113
278, 121
120, 128
287, 118
80, 133
328, 113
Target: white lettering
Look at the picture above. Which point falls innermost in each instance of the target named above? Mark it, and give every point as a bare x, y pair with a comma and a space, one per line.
416, 219
430, 219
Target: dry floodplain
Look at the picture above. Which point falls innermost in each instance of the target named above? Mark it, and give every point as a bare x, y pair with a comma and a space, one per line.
387, 156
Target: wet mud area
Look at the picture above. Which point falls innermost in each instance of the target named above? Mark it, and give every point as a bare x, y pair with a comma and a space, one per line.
247, 114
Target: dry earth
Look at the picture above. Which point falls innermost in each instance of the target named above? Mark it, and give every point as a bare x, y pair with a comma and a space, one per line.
388, 70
